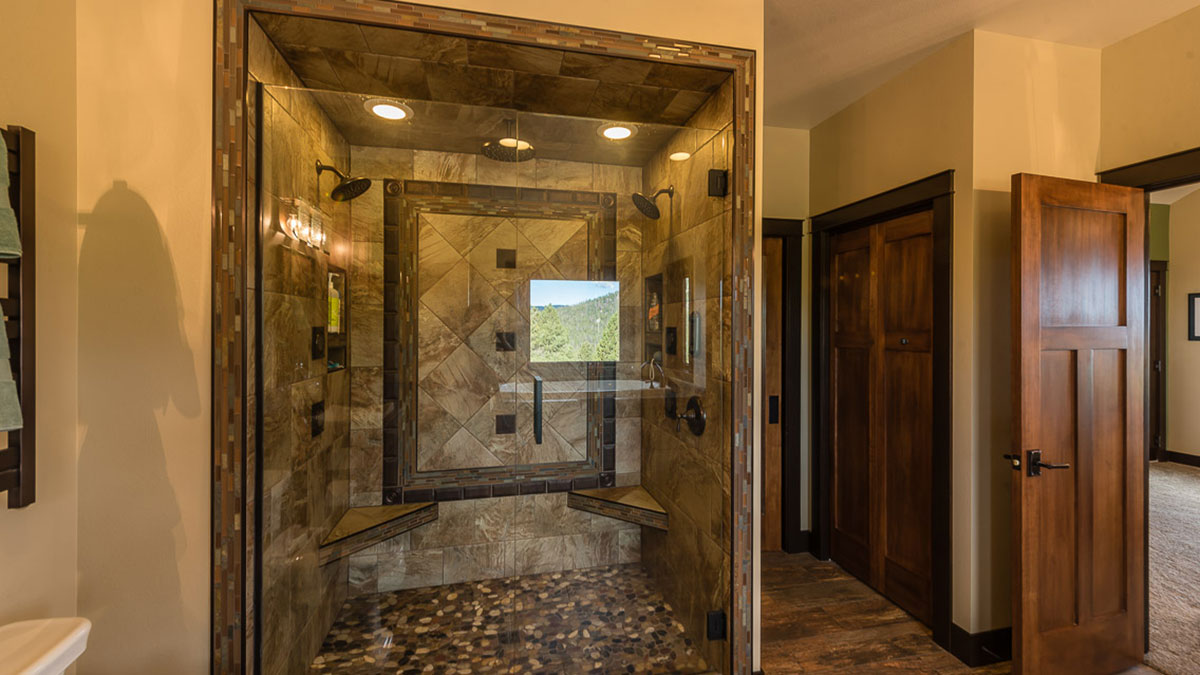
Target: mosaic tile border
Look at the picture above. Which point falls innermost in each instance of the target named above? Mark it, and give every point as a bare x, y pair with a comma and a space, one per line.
404, 201
360, 541
232, 628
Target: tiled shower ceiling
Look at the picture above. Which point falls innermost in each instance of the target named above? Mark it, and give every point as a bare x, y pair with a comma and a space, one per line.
441, 75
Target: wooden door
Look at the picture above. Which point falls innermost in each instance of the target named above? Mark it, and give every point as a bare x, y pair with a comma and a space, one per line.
881, 314
772, 436
1079, 375
1158, 357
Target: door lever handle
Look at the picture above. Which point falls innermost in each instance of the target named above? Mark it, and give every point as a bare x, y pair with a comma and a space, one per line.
1035, 464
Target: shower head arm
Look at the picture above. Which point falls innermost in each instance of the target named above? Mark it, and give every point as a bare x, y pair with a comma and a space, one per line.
322, 168
669, 191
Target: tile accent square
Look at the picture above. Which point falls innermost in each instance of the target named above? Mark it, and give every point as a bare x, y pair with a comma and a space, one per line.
506, 341
506, 258
506, 424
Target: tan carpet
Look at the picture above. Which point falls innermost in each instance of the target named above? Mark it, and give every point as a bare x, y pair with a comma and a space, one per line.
1174, 568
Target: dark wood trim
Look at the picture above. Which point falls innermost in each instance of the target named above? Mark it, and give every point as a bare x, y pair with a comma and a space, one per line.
783, 227
18, 461
1182, 458
795, 535
1191, 300
916, 195
933, 193
1180, 168
981, 649
1157, 427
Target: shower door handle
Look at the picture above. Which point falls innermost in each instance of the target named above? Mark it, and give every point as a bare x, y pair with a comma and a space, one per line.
537, 409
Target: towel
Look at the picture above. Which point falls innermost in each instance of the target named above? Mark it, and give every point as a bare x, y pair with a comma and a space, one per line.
10, 236
10, 401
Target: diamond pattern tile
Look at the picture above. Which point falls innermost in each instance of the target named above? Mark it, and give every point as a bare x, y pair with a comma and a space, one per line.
506, 318
506, 279
462, 232
462, 383
462, 299
546, 234
462, 451
434, 342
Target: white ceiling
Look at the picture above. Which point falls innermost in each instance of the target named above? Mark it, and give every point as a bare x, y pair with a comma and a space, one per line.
1172, 195
822, 55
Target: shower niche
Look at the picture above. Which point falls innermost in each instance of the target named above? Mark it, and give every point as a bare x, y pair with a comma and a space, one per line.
521, 279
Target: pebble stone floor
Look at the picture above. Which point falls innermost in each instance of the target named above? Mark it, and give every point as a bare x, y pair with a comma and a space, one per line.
598, 620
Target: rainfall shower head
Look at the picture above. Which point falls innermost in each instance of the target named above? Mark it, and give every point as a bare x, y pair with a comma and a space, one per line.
508, 148
348, 188
646, 204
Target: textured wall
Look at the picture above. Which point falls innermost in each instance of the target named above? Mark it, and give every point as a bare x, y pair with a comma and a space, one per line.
305, 476
1183, 355
688, 474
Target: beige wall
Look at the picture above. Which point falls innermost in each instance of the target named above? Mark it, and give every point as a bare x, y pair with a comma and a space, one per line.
37, 90
144, 133
987, 106
1151, 92
1183, 356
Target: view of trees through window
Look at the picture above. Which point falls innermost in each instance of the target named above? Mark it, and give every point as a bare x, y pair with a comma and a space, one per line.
574, 320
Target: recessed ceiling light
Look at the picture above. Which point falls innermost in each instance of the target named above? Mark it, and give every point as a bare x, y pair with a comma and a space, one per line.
680, 156
616, 132
510, 142
388, 109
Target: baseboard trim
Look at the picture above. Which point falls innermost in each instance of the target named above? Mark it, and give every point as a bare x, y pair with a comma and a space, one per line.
798, 542
1183, 458
981, 649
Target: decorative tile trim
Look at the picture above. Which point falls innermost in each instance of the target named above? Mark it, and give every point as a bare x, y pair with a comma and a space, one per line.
231, 625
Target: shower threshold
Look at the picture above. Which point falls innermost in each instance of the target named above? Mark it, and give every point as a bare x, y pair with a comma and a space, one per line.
596, 620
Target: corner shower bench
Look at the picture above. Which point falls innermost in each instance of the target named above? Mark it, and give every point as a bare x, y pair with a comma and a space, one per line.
364, 526
631, 504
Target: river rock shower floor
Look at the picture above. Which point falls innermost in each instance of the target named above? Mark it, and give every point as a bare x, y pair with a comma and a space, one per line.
598, 620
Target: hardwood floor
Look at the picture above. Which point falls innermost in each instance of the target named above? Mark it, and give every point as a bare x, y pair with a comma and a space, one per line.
818, 618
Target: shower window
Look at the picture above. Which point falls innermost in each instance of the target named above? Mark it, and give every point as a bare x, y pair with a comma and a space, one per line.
574, 320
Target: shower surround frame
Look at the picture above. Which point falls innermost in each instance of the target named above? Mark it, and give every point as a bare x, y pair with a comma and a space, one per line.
234, 420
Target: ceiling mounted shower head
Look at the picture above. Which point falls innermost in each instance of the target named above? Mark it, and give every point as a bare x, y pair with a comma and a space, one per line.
646, 204
508, 148
347, 188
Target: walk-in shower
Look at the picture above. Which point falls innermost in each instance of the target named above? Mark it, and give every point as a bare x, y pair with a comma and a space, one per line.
496, 389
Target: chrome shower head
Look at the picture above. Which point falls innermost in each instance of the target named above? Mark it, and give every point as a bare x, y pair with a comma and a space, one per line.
347, 188
646, 204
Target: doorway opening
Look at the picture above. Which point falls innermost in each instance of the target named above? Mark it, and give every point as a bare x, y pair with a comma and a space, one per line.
1172, 187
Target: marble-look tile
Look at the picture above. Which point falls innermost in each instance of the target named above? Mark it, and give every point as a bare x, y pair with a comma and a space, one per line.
482, 425
629, 479
366, 397
462, 451
377, 162
629, 274
276, 436
413, 569
366, 472
434, 342
304, 443
494, 518
629, 445
462, 232
366, 215
435, 256
462, 383
462, 299
564, 175
491, 172
475, 562
364, 574
506, 319
366, 335
570, 420
538, 556
286, 340
547, 234
631, 326
455, 526
571, 259
505, 279
435, 426
545, 514
446, 167
629, 546
552, 450
366, 274
592, 549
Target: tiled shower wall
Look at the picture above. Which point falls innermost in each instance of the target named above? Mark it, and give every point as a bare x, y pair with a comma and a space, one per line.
478, 539
305, 476
688, 474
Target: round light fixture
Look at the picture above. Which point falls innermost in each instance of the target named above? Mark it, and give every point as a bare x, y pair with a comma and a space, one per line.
616, 132
388, 109
679, 156
510, 142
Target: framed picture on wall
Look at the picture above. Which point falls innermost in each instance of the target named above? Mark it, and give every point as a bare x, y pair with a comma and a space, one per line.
1193, 310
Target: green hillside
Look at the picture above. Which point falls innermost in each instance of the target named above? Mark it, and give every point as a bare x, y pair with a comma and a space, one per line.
587, 331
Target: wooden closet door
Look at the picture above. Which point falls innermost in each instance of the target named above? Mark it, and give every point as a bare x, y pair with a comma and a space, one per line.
905, 422
852, 325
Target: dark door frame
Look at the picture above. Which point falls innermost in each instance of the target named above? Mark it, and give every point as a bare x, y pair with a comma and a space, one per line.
1160, 173
1158, 447
791, 231
934, 193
